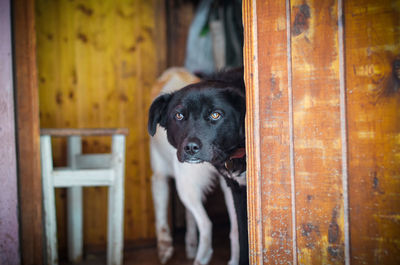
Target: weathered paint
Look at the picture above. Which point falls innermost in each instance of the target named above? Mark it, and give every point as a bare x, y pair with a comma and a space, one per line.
9, 236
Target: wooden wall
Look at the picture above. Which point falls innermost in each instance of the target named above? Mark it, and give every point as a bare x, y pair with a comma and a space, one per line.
97, 61
323, 128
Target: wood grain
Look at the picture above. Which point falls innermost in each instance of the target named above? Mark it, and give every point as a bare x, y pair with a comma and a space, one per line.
372, 46
252, 132
274, 115
97, 62
344, 85
27, 105
316, 132
296, 207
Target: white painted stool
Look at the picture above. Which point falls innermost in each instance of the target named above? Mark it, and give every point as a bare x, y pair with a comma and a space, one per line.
83, 170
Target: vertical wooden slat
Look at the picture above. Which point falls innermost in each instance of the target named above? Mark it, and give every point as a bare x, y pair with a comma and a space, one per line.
343, 132
372, 45
274, 118
26, 87
252, 132
317, 132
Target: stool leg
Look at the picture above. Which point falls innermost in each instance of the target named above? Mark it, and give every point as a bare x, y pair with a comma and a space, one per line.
49, 203
116, 203
74, 205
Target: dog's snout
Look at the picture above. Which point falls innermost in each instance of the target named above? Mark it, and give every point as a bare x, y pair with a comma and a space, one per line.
192, 147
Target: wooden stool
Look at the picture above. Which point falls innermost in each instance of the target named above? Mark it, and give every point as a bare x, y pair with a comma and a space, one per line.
83, 170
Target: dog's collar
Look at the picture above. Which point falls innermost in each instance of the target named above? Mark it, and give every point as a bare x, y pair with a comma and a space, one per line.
238, 154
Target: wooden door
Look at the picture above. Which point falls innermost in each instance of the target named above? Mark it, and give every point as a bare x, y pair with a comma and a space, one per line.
323, 131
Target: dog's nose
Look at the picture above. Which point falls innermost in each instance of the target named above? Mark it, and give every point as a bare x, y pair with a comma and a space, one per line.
192, 147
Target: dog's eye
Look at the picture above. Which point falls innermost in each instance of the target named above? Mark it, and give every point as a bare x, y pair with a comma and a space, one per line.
179, 116
215, 116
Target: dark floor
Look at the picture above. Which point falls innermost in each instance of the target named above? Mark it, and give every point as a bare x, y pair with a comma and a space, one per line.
148, 255
145, 253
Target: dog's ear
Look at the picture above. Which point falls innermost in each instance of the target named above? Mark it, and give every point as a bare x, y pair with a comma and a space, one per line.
157, 113
238, 100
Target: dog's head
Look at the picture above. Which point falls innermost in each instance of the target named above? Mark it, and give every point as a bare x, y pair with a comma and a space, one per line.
204, 121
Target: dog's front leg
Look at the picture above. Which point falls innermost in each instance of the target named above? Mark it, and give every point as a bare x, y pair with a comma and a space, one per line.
234, 233
160, 191
191, 198
191, 238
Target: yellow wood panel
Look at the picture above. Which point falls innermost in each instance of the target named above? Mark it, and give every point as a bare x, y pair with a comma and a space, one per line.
97, 61
373, 96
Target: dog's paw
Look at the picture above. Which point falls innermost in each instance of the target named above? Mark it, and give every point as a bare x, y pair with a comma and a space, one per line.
191, 250
233, 262
205, 260
165, 250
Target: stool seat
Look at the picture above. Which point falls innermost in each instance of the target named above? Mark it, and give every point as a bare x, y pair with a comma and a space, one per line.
60, 132
83, 170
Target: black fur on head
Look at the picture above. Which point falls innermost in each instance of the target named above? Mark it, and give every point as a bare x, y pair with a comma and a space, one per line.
204, 121
157, 113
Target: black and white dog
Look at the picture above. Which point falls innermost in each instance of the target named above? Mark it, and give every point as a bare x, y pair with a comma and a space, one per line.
204, 123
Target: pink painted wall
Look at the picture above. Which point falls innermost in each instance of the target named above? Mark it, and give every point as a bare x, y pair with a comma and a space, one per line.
9, 237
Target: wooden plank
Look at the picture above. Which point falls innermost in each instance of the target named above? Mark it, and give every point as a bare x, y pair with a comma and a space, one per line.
252, 132
9, 225
275, 127
84, 132
27, 105
372, 46
317, 132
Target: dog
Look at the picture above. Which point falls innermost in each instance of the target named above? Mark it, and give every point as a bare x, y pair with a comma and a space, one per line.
192, 180
204, 125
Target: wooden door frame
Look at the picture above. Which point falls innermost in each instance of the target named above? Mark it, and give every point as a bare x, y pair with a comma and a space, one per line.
272, 191
28, 135
322, 131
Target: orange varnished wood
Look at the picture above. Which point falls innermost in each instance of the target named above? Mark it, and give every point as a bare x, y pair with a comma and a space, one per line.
316, 132
276, 205
27, 109
345, 138
373, 110
252, 133
313, 68
97, 61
